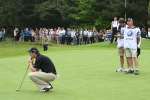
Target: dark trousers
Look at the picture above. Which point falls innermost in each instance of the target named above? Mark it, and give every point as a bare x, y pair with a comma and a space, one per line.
92, 40
33, 39
1, 39
45, 47
68, 40
27, 38
62, 39
85, 39
78, 40
114, 32
138, 52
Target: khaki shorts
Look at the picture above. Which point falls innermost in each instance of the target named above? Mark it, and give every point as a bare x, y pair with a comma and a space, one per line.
131, 52
121, 51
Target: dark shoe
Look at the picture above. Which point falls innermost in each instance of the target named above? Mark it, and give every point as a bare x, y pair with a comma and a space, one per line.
136, 72
130, 72
45, 89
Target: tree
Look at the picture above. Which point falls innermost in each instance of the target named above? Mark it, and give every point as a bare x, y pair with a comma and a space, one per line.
149, 15
53, 13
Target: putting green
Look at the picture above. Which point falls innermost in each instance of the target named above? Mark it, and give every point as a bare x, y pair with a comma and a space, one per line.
86, 73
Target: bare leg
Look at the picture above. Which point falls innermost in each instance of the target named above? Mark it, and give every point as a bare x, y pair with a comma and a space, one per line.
122, 61
130, 62
122, 53
135, 60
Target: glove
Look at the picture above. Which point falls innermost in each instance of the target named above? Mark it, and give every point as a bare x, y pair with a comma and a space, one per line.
139, 45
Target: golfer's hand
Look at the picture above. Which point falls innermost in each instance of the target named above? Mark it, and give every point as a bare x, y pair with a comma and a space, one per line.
29, 61
33, 69
139, 46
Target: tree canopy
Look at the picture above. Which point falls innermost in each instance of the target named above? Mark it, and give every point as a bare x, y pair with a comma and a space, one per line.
149, 15
53, 13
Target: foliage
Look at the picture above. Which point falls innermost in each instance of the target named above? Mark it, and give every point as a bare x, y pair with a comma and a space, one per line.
69, 12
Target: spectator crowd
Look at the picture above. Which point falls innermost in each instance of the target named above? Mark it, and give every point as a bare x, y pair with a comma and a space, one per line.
2, 34
59, 35
69, 36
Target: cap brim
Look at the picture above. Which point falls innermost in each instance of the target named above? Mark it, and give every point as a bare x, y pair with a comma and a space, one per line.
29, 51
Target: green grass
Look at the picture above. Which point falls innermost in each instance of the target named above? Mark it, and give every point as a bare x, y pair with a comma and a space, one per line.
86, 73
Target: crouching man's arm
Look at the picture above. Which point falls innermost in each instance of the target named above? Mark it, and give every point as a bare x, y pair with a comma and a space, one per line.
31, 65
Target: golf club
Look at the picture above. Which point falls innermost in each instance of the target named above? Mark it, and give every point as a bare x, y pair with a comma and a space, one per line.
21, 83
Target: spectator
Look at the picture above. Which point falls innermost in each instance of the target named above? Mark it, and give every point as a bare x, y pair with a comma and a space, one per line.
16, 34
149, 33
73, 37
77, 35
68, 36
132, 38
1, 35
120, 44
114, 27
92, 37
45, 42
27, 35
85, 36
33, 34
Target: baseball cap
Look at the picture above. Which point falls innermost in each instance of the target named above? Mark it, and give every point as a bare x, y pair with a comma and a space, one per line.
33, 50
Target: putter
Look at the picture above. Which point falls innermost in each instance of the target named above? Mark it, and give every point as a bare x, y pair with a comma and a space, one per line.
21, 83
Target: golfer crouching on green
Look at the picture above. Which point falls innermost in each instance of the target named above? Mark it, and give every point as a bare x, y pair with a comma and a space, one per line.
42, 70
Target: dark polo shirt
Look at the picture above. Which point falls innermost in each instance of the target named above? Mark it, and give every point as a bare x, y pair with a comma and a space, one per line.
44, 64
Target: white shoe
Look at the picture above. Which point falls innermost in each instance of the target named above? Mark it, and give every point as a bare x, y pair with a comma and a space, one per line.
126, 70
46, 88
120, 69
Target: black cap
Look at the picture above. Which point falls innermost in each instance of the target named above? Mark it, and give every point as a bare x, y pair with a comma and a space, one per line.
33, 50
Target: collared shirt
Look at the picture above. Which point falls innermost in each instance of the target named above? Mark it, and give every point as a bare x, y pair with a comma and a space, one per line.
130, 37
44, 64
115, 24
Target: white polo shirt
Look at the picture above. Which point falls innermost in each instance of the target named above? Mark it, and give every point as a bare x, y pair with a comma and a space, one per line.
115, 24
85, 33
120, 41
130, 37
